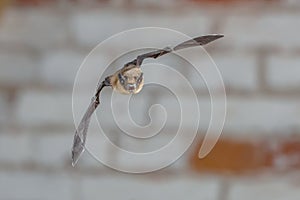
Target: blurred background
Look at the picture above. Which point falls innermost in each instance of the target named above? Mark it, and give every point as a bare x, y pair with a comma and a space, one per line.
43, 43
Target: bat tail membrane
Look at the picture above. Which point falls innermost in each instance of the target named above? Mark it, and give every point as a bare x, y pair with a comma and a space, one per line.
198, 41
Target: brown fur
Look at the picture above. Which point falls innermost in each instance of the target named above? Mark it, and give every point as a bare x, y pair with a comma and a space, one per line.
130, 73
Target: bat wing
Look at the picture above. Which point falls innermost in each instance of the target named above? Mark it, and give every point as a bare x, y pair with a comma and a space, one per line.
198, 41
139, 60
81, 132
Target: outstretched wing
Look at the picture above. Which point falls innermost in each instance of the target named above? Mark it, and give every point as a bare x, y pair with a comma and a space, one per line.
198, 41
81, 131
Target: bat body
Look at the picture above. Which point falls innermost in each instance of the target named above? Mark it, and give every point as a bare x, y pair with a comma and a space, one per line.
127, 80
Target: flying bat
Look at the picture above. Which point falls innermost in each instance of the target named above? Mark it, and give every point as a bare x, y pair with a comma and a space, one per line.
127, 80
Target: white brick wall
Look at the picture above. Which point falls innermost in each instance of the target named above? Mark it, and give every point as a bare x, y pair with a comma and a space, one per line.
238, 72
263, 29
41, 52
3, 108
283, 72
292, 3
34, 185
264, 188
137, 187
90, 28
33, 28
38, 108
15, 148
17, 68
262, 114
59, 67
53, 149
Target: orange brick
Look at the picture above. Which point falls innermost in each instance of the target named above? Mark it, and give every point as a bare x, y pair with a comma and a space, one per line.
286, 155
228, 156
246, 156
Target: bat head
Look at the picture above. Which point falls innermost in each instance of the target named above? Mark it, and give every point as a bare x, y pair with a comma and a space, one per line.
131, 80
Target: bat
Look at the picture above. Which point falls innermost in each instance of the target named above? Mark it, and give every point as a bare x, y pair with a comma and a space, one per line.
127, 80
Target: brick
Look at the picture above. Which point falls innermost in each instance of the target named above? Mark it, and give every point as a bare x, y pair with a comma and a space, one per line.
106, 156
230, 156
55, 108
169, 70
284, 153
153, 154
167, 107
229, 65
32, 185
98, 145
264, 187
3, 108
162, 187
192, 24
53, 149
15, 148
282, 72
88, 27
261, 114
50, 108
243, 65
253, 31
175, 109
103, 114
17, 69
99, 151
60, 67
38, 28
156, 3
252, 154
2, 6
291, 3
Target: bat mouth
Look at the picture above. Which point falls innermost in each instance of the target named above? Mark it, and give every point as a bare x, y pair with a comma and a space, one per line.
131, 87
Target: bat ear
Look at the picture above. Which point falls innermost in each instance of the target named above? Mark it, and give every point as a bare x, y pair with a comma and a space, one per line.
107, 80
140, 78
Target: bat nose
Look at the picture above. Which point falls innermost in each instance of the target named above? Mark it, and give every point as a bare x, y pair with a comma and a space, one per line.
131, 86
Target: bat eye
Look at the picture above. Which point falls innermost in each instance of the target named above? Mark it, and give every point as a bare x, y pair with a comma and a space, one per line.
122, 79
135, 78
